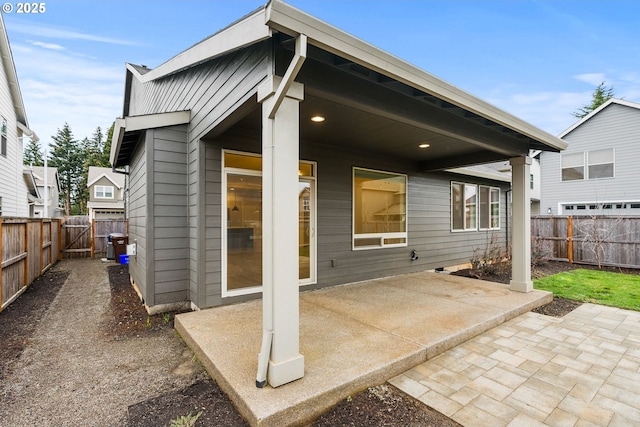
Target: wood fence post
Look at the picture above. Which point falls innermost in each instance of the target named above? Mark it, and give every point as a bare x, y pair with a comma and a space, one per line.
59, 239
41, 243
26, 250
570, 238
93, 233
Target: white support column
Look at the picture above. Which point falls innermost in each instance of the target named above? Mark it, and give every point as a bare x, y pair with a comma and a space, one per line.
280, 294
521, 236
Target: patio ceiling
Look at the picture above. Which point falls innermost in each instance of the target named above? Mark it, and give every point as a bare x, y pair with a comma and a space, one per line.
370, 112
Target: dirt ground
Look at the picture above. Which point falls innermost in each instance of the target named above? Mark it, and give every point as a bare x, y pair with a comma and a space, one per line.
126, 319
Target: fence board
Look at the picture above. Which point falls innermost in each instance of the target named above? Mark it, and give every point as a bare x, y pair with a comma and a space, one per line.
598, 240
28, 247
102, 228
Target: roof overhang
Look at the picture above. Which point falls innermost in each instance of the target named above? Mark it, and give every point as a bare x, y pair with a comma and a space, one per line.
126, 132
391, 93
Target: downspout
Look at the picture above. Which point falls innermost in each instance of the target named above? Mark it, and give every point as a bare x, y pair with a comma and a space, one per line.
267, 294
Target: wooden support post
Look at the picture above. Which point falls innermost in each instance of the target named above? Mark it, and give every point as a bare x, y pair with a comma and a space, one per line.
570, 238
59, 240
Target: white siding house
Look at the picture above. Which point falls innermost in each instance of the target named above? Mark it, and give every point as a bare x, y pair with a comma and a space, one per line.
14, 189
598, 173
50, 195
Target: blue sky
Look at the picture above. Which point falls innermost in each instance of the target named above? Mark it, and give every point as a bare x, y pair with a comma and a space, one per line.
539, 60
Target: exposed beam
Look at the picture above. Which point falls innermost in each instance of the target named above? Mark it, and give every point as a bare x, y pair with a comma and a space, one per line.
457, 161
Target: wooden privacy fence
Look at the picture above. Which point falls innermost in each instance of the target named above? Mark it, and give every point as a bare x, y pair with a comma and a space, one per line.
28, 247
86, 238
598, 240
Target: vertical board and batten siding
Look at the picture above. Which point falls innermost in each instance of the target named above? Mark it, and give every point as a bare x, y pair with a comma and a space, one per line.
211, 91
169, 198
139, 219
616, 126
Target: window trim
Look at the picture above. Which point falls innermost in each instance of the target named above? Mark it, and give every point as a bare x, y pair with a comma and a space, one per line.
380, 236
479, 213
3, 137
562, 167
103, 187
612, 162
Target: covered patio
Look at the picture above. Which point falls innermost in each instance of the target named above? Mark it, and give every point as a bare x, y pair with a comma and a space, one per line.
351, 337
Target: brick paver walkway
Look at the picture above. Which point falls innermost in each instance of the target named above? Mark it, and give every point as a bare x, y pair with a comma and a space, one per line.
579, 370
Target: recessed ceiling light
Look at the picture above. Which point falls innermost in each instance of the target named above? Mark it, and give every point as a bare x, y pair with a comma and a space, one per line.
424, 145
317, 119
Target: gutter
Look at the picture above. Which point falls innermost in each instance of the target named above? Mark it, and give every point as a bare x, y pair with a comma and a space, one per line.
267, 293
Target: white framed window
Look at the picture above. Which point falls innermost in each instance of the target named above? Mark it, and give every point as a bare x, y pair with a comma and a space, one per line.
379, 209
572, 166
474, 207
489, 208
600, 163
103, 192
3, 137
464, 206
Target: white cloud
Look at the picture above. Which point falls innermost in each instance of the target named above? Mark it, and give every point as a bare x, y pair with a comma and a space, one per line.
59, 86
593, 79
44, 45
62, 33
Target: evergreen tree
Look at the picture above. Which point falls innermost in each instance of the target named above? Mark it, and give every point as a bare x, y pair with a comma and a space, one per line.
106, 151
601, 95
68, 156
32, 154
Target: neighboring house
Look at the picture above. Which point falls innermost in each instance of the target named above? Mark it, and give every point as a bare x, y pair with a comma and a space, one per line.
220, 138
106, 193
17, 188
598, 174
51, 195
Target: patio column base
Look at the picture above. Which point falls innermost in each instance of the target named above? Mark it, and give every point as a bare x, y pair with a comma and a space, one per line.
518, 286
285, 372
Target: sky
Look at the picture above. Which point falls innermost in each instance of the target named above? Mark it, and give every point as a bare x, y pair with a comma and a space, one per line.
539, 60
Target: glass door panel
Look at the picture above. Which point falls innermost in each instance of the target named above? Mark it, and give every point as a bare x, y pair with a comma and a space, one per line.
304, 230
244, 231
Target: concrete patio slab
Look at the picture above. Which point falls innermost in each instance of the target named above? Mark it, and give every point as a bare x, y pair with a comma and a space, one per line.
351, 336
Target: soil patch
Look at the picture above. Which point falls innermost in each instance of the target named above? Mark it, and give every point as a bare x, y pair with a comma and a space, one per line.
21, 318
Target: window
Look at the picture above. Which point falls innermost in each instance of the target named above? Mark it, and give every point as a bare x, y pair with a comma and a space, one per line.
0, 206
474, 207
3, 138
531, 181
572, 166
600, 163
463, 206
379, 209
489, 208
103, 192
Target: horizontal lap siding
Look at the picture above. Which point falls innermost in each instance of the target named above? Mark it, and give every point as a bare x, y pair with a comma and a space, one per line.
170, 229
428, 218
137, 214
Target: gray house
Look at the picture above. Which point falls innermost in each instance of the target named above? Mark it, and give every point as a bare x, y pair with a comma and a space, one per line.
106, 193
221, 139
598, 174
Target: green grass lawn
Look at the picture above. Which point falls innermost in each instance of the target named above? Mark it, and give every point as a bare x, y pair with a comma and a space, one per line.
598, 287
